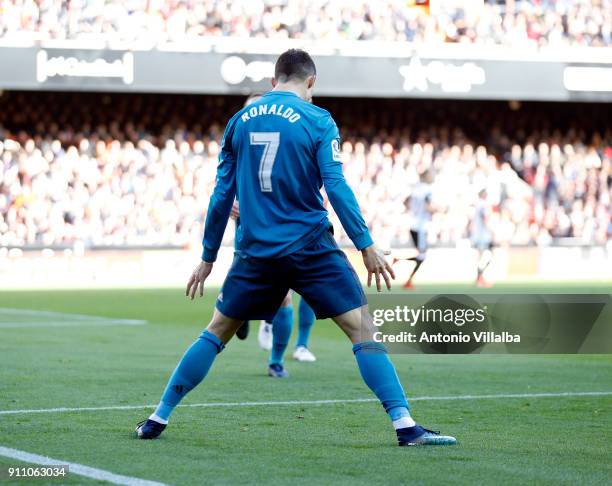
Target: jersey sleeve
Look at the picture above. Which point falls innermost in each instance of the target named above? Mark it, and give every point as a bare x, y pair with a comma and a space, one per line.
222, 197
339, 193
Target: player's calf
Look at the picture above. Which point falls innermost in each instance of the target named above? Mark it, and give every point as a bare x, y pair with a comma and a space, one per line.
380, 376
190, 371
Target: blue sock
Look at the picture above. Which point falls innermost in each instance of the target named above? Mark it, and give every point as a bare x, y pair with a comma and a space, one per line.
190, 371
306, 320
281, 332
379, 374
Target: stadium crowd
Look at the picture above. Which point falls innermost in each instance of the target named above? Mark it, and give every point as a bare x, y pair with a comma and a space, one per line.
139, 169
518, 24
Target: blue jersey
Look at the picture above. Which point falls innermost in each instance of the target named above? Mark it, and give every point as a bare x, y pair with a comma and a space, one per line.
276, 154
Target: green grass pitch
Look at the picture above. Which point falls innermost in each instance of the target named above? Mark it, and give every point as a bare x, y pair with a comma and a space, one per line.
545, 440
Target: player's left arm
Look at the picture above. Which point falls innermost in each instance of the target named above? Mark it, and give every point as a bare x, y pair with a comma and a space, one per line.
345, 204
219, 209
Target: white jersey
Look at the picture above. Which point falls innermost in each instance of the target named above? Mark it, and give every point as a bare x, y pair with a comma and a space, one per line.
419, 202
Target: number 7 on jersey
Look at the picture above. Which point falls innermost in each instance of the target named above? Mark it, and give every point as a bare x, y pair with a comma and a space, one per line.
270, 141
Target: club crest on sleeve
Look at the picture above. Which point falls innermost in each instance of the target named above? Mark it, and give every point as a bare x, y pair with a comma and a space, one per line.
335, 146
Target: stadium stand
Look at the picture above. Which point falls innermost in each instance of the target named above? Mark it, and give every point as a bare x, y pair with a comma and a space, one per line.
519, 24
122, 170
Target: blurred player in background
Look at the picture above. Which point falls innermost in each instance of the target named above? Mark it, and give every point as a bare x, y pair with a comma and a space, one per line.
481, 237
306, 319
420, 207
276, 154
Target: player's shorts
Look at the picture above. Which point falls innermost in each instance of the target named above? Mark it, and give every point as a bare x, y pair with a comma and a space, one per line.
419, 238
321, 273
482, 241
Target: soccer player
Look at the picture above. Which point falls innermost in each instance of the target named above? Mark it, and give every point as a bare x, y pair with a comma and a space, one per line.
306, 319
282, 326
482, 239
420, 215
269, 338
276, 154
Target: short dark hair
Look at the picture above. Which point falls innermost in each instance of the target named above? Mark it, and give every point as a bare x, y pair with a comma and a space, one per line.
294, 64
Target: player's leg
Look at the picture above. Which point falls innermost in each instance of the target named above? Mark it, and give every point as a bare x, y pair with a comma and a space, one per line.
325, 278
420, 242
418, 262
264, 335
306, 319
374, 365
485, 256
243, 331
190, 371
380, 376
250, 289
282, 325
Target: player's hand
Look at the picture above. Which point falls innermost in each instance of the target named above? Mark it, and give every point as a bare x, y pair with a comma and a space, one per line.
235, 212
197, 279
377, 266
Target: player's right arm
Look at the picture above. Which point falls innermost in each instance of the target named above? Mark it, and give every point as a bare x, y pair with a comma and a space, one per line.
345, 204
219, 209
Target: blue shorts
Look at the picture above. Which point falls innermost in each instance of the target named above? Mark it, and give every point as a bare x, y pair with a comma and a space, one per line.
321, 273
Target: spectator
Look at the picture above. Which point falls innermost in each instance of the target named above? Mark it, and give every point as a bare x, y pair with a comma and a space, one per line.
128, 172
518, 24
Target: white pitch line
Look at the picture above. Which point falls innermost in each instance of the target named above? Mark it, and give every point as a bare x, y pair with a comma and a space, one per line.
78, 469
310, 402
38, 324
43, 313
38, 319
